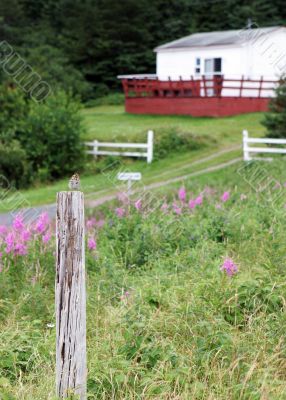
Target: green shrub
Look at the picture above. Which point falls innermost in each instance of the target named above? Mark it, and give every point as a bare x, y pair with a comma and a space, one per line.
172, 139
275, 121
113, 99
13, 163
51, 136
39, 140
13, 110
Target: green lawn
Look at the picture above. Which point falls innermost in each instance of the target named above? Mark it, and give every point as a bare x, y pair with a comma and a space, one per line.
112, 123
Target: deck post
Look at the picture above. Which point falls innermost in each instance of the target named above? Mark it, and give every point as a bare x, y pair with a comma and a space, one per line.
71, 369
150, 141
246, 156
181, 87
260, 87
241, 86
205, 89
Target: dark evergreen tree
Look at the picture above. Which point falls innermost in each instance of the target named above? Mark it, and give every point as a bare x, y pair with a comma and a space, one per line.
275, 121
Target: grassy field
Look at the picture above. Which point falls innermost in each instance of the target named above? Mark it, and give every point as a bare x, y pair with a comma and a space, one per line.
165, 322
97, 185
112, 123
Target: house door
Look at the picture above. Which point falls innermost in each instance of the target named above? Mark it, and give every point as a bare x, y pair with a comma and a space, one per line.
209, 74
213, 68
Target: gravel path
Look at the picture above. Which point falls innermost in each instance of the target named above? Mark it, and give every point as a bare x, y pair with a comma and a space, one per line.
155, 185
6, 219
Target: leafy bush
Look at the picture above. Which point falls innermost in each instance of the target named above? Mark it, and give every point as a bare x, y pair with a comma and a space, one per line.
113, 99
13, 110
39, 140
172, 139
51, 136
13, 163
275, 121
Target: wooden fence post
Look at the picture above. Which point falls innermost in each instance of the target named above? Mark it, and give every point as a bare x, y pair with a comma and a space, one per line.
95, 148
150, 144
246, 155
71, 369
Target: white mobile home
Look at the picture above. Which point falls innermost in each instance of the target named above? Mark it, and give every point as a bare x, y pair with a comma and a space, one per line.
248, 52
212, 74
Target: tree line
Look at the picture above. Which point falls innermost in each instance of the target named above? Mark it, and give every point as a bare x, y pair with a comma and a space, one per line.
82, 45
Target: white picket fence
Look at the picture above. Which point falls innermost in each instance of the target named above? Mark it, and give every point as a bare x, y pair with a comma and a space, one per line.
148, 154
247, 149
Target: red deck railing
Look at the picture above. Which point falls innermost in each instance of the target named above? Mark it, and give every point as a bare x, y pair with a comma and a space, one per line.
216, 86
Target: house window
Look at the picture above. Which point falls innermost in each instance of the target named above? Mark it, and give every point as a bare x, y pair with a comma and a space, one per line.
213, 66
217, 65
198, 66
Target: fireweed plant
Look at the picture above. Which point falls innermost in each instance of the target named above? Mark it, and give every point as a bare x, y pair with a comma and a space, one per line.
130, 218
186, 297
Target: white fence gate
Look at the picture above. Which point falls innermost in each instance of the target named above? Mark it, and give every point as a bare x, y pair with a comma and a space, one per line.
247, 150
148, 154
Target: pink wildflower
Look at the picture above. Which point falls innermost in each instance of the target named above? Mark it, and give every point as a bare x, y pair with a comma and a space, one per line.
3, 230
18, 224
91, 243
123, 198
199, 200
229, 267
120, 212
46, 237
164, 207
42, 223
208, 191
100, 223
225, 196
192, 204
177, 209
90, 223
20, 249
125, 296
25, 235
10, 242
182, 194
138, 204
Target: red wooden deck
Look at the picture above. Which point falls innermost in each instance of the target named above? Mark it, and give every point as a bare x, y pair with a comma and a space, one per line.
196, 106
215, 97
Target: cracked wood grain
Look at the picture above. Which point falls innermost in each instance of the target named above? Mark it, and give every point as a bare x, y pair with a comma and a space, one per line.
71, 369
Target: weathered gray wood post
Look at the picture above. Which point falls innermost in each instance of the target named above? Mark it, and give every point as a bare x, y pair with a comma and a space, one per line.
71, 369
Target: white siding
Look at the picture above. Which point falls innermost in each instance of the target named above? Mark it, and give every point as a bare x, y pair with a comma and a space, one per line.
267, 55
261, 56
176, 63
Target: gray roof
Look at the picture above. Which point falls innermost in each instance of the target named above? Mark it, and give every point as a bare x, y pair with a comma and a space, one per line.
221, 38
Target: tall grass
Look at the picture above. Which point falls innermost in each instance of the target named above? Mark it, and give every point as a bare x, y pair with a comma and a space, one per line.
164, 321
